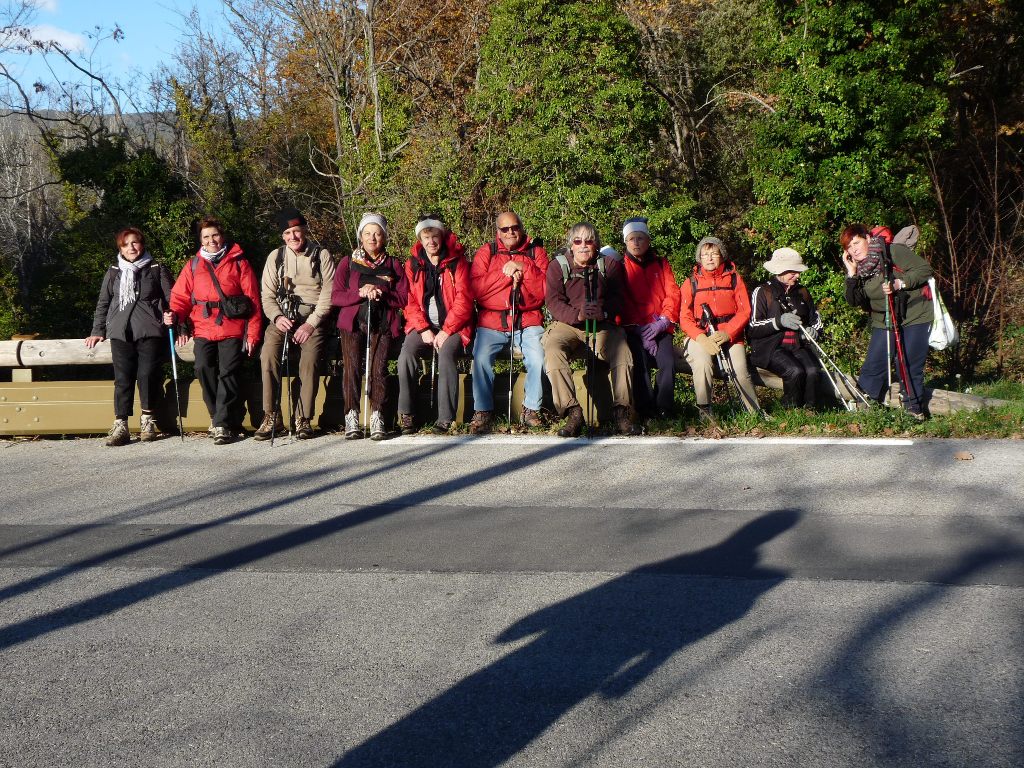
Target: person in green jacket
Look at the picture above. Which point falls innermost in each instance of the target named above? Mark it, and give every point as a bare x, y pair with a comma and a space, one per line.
869, 284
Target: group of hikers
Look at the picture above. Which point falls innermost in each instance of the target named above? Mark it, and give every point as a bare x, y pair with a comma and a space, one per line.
588, 302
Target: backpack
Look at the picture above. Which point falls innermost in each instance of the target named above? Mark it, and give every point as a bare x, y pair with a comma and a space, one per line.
314, 263
563, 263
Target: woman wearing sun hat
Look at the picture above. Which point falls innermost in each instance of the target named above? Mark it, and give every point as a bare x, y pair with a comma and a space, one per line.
780, 308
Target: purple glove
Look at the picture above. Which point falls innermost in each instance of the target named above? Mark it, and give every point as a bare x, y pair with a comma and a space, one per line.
650, 346
651, 331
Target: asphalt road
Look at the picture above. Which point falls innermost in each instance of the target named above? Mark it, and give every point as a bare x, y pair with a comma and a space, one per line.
512, 601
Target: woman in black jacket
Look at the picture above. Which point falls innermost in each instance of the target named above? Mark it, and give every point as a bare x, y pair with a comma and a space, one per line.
135, 292
779, 309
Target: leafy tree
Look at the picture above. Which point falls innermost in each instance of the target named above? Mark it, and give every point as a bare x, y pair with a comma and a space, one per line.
567, 127
106, 188
858, 93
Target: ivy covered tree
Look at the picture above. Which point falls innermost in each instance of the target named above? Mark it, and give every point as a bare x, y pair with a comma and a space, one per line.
568, 127
858, 92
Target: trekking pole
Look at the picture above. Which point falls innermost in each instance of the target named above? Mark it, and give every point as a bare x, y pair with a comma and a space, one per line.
837, 375
366, 375
590, 335
174, 374
511, 352
730, 372
433, 378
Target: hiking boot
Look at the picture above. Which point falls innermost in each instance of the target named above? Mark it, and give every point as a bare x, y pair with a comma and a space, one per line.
481, 423
407, 424
352, 429
530, 417
303, 429
222, 436
573, 423
270, 426
377, 431
148, 430
441, 428
118, 434
623, 420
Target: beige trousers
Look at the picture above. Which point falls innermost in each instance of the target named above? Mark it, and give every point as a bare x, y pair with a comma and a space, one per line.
270, 366
563, 342
702, 366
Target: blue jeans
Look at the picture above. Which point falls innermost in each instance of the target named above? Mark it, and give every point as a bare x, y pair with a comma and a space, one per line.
874, 374
486, 347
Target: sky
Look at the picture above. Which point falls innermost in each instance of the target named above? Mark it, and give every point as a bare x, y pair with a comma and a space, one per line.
151, 30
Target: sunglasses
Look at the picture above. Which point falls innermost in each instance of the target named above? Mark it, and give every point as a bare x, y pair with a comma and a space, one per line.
509, 229
581, 241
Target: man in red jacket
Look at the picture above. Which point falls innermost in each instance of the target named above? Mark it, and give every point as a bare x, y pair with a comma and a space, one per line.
507, 277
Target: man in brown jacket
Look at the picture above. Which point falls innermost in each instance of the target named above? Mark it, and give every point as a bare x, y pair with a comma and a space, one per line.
296, 297
582, 288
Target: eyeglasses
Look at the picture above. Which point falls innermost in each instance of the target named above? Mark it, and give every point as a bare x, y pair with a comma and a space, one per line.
581, 241
509, 229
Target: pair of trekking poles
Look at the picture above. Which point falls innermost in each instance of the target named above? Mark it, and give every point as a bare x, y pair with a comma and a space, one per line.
853, 396
726, 365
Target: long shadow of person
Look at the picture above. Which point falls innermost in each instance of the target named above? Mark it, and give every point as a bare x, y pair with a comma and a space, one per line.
603, 641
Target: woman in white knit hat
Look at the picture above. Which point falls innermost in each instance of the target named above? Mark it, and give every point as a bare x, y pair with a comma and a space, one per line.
370, 289
782, 310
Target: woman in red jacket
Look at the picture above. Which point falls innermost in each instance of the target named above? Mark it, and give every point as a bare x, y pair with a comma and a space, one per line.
650, 307
716, 283
438, 319
222, 339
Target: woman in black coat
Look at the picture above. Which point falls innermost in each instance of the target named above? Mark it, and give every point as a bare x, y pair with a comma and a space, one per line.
780, 308
135, 292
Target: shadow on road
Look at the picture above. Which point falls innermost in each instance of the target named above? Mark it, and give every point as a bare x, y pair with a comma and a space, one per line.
200, 570
603, 641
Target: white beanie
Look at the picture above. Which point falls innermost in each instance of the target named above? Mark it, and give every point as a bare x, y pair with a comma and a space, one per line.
371, 218
429, 224
635, 225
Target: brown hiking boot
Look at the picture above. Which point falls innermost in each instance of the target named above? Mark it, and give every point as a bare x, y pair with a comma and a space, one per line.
481, 423
406, 424
148, 430
530, 417
303, 429
270, 426
573, 423
623, 419
119, 434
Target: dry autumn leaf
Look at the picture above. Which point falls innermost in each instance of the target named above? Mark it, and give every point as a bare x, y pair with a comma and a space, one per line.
963, 456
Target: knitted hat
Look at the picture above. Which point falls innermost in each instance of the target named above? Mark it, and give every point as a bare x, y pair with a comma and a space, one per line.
290, 217
610, 253
431, 222
371, 218
638, 224
785, 260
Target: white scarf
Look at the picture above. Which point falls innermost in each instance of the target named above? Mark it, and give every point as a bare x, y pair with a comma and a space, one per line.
212, 256
129, 269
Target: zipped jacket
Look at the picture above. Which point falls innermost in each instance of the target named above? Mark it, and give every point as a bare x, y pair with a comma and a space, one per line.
143, 318
455, 290
492, 288
913, 304
194, 293
649, 290
768, 303
345, 294
724, 292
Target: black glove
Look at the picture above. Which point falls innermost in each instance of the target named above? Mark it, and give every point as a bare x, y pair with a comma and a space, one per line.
592, 311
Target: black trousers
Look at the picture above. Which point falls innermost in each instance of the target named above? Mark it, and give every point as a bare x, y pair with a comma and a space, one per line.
219, 370
353, 354
659, 399
800, 371
139, 362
